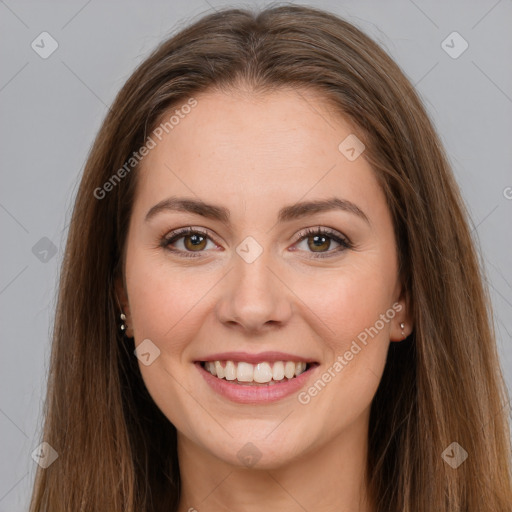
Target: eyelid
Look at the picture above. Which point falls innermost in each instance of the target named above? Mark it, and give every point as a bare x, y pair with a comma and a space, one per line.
342, 240
334, 234
187, 230
323, 230
178, 233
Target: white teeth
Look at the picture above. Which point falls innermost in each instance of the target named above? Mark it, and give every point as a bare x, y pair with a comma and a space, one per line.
230, 370
245, 372
289, 369
210, 366
219, 370
278, 370
260, 373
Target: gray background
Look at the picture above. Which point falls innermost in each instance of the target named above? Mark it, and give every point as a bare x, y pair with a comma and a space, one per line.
52, 108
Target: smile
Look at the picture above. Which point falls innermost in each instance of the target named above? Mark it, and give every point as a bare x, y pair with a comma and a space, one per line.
258, 382
244, 373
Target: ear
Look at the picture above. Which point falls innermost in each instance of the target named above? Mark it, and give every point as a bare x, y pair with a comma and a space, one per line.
403, 317
122, 299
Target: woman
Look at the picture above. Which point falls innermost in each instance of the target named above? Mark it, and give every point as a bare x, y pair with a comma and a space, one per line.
270, 296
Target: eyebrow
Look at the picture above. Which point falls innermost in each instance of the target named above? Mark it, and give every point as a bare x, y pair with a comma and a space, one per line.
286, 214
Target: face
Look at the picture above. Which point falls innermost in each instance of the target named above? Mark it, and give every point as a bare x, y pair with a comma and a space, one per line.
306, 296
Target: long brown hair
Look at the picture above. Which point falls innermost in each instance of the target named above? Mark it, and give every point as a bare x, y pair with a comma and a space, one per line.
117, 451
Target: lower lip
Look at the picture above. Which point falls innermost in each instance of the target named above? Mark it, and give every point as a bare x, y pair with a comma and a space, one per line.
255, 394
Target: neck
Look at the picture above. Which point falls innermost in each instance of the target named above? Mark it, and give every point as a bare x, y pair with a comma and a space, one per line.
328, 477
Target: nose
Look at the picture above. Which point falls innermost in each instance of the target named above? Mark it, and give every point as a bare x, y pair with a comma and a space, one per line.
254, 299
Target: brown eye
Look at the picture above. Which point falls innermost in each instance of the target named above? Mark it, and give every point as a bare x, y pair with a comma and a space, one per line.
186, 241
194, 242
318, 243
320, 240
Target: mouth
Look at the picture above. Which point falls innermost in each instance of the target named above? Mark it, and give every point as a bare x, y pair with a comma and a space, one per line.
260, 374
256, 382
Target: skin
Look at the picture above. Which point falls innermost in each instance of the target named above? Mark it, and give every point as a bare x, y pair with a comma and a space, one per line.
255, 154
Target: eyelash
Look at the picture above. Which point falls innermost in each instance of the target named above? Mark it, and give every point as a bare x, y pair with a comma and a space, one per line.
181, 233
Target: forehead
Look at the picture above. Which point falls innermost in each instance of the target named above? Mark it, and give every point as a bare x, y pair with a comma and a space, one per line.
276, 147
286, 125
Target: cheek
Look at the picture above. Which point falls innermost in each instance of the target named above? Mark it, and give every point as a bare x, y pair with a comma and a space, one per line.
349, 299
161, 299
354, 304
162, 309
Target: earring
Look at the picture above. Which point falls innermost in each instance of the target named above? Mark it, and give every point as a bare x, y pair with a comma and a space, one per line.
402, 326
123, 318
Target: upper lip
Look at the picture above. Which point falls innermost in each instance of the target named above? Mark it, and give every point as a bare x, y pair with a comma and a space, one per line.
255, 358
